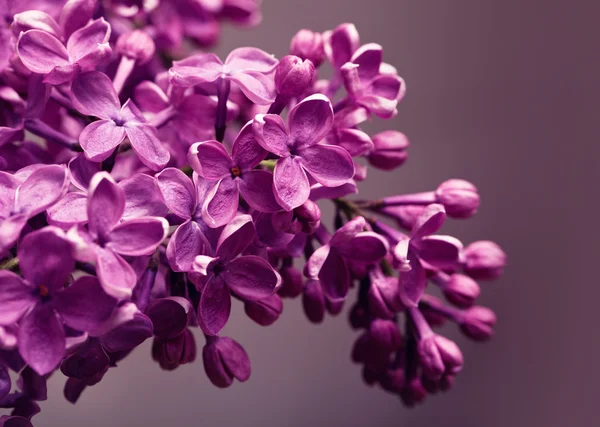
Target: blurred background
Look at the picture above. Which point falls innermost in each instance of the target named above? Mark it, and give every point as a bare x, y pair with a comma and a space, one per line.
504, 94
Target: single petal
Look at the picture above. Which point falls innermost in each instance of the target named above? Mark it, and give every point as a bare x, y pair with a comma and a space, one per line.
83, 41
256, 187
258, 87
45, 258
169, 316
214, 307
8, 188
82, 170
10, 229
106, 203
235, 237
142, 197
354, 141
15, 297
221, 203
334, 276
42, 189
35, 20
330, 165
212, 159
251, 277
272, 133
99, 55
319, 191
42, 339
40, 51
412, 282
380, 106
368, 58
93, 94
150, 97
100, 138
196, 69
138, 236
430, 221
344, 235
440, 251
341, 43
75, 14
178, 192
246, 151
290, 183
116, 276
310, 120
250, 58
84, 304
187, 242
367, 247
146, 145
62, 74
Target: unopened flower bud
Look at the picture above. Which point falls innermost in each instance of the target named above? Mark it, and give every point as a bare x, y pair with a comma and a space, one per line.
393, 380
293, 76
459, 289
383, 297
88, 360
413, 392
358, 317
265, 311
459, 197
225, 360
291, 282
313, 301
334, 307
308, 45
389, 150
484, 260
172, 352
136, 45
437, 355
309, 215
478, 323
385, 335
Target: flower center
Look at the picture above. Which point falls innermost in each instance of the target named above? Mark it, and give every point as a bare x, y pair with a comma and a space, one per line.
44, 291
236, 172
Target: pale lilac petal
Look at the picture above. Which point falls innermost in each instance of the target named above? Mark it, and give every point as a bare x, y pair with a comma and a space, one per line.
256, 187
8, 188
380, 106
250, 59
35, 20
235, 237
146, 145
82, 170
310, 120
440, 251
116, 276
330, 165
214, 307
106, 203
430, 221
258, 87
100, 138
251, 277
368, 58
42, 339
93, 94
138, 236
16, 297
85, 40
341, 43
334, 276
10, 230
290, 183
213, 160
272, 133
178, 192
246, 151
84, 305
40, 52
101, 54
221, 203
45, 258
200, 68
142, 197
354, 141
187, 242
41, 189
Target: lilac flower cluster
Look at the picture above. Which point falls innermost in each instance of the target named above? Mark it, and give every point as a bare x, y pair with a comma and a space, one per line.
139, 195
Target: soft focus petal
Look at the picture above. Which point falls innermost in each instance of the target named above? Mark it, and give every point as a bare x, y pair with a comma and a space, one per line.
82, 170
200, 68
42, 189
246, 151
35, 20
256, 187
290, 183
334, 276
258, 87
100, 138
116, 276
75, 14
430, 221
93, 94
345, 234
40, 52
142, 197
15, 297
213, 160
368, 58
310, 120
84, 304
68, 211
147, 146
187, 242
272, 133
341, 43
138, 236
367, 247
251, 277
42, 339
106, 203
235, 237
319, 191
330, 165
85, 40
215, 306
178, 192
169, 316
250, 59
412, 282
221, 203
45, 258
440, 251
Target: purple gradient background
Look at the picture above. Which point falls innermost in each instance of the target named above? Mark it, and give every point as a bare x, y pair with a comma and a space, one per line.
505, 94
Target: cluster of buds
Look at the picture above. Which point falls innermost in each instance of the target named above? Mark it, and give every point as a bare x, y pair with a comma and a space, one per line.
140, 195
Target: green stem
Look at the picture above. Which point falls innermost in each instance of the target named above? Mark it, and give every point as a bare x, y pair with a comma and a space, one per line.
10, 264
269, 164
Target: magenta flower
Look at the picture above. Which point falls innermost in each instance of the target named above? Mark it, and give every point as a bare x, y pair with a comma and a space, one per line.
107, 239
300, 152
41, 300
27, 194
225, 360
43, 53
94, 95
233, 175
249, 277
247, 67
